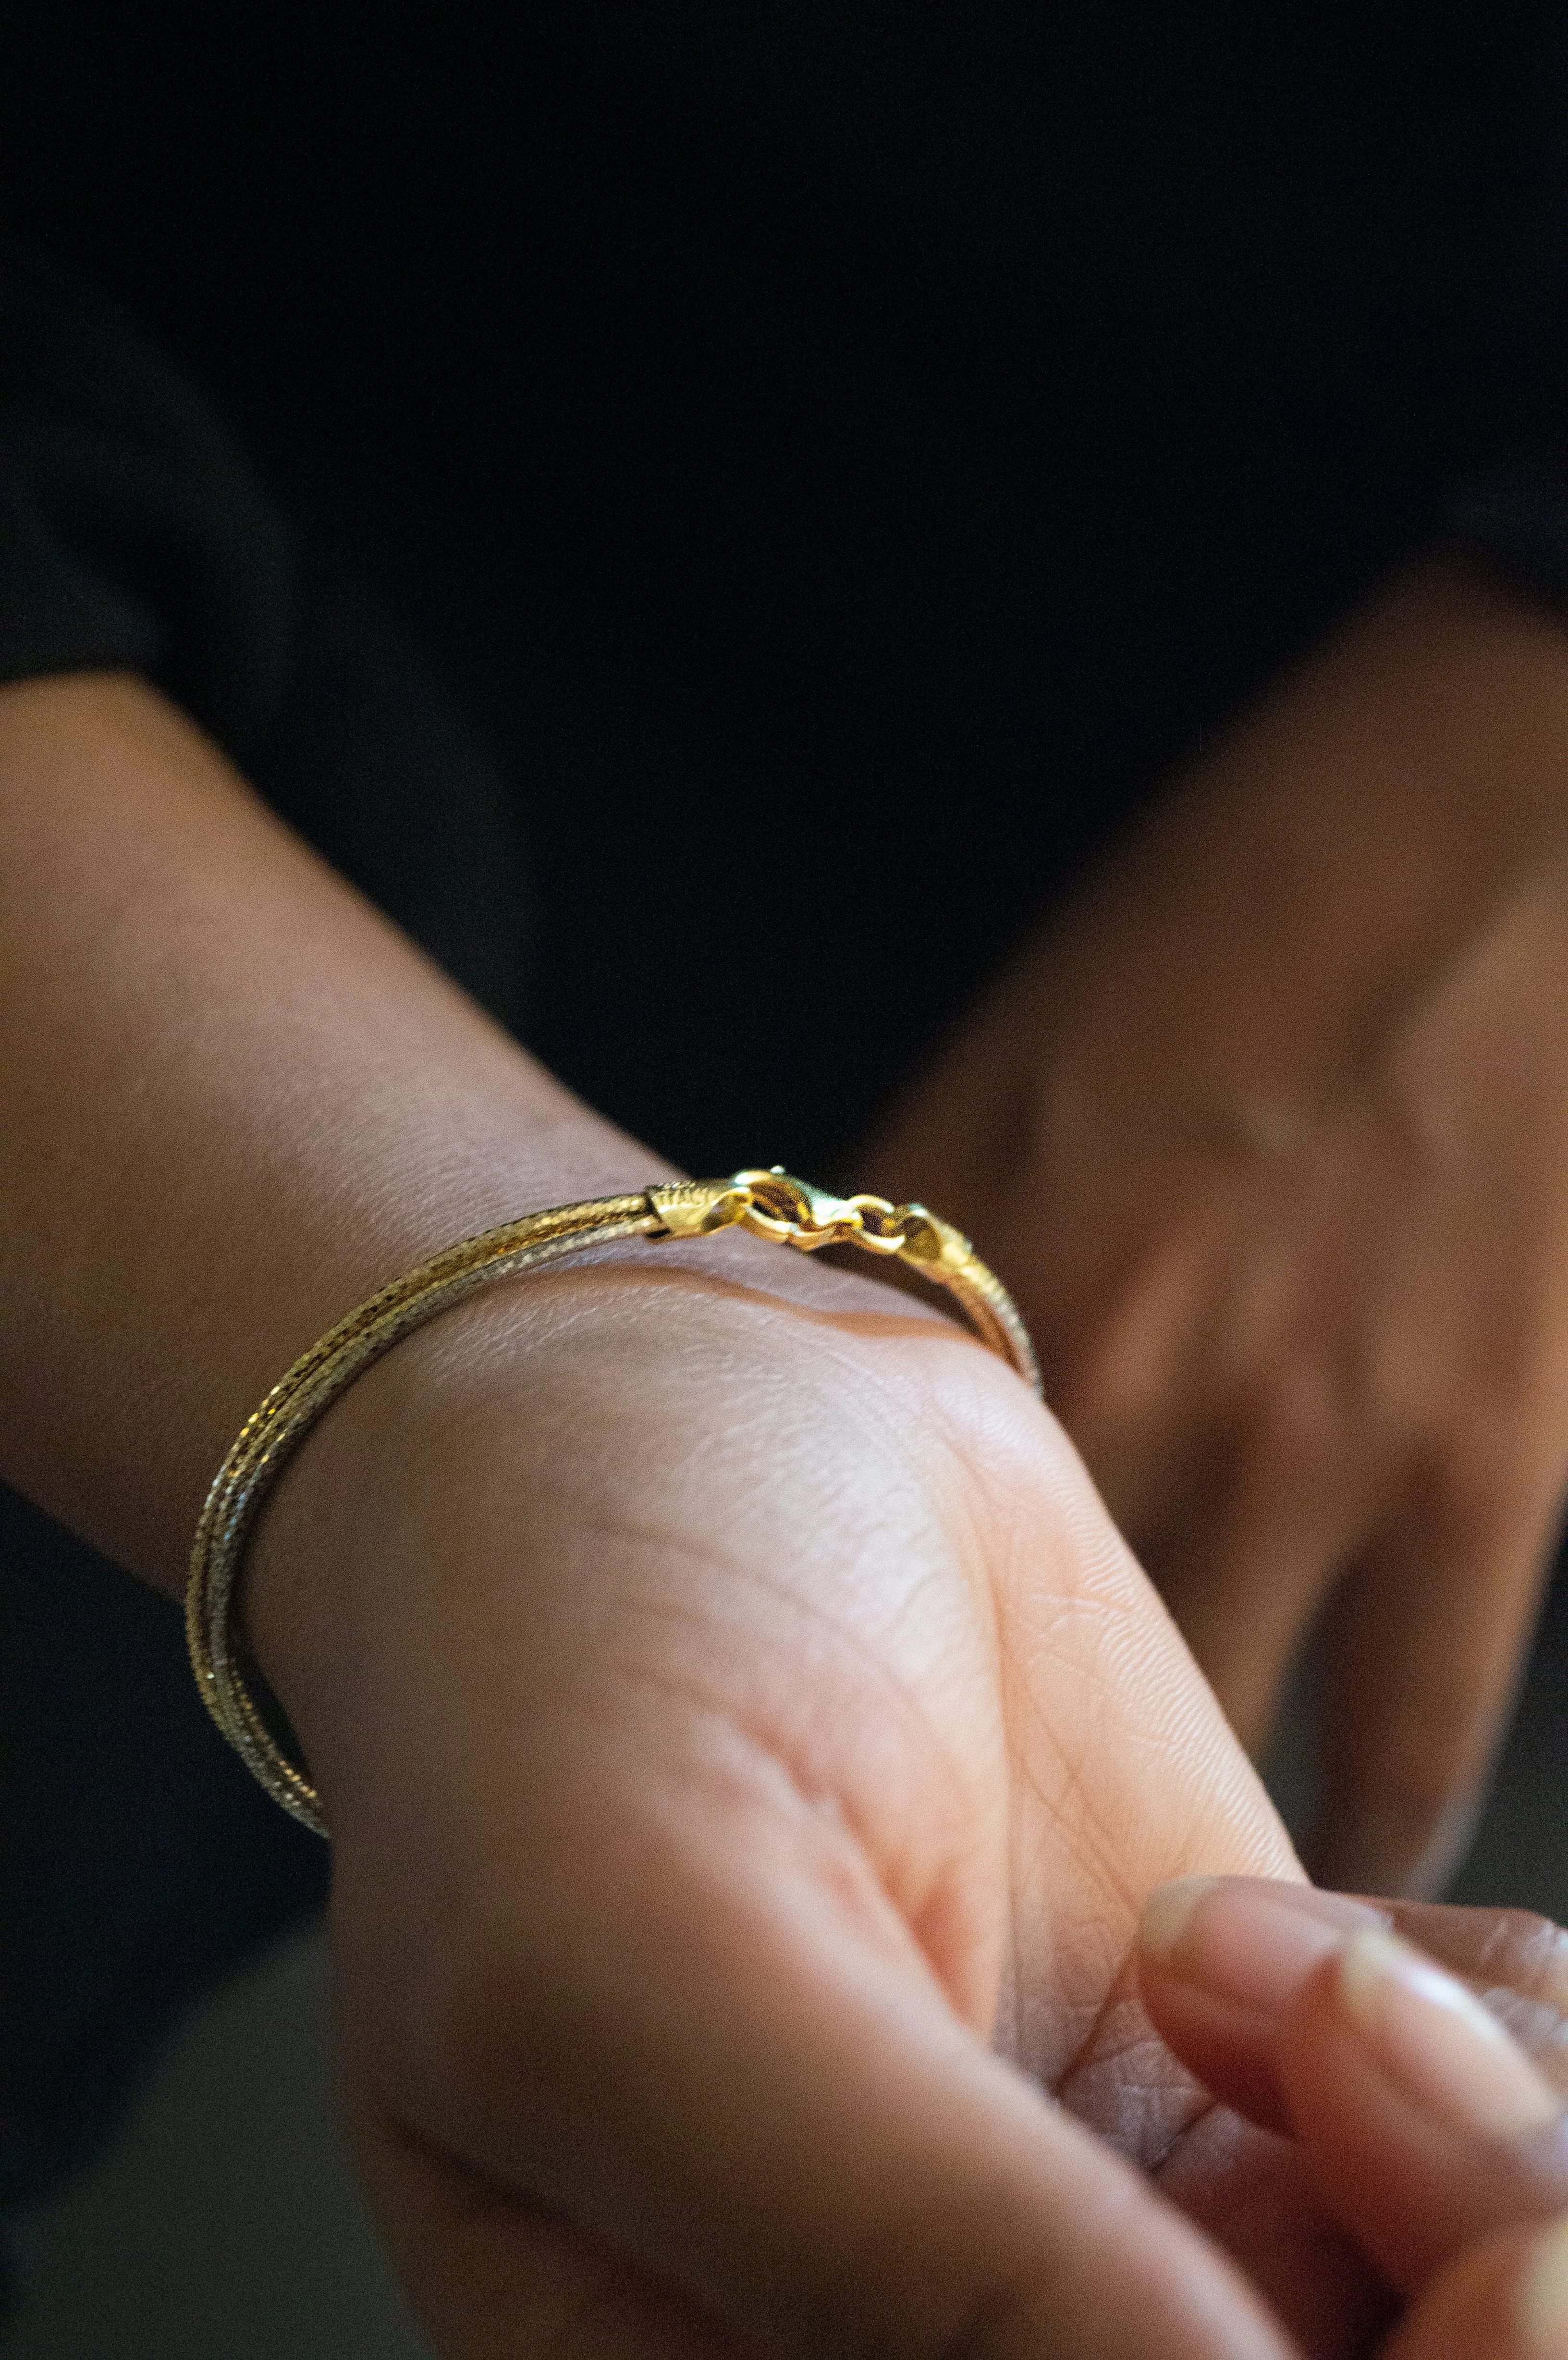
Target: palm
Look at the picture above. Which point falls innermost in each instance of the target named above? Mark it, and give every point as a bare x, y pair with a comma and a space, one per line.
831, 1651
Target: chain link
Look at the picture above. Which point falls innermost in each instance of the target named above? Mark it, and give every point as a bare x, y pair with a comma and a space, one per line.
775, 1204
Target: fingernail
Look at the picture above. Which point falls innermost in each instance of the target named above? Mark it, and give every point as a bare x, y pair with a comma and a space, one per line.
1541, 2299
1168, 1912
1436, 2039
1250, 1940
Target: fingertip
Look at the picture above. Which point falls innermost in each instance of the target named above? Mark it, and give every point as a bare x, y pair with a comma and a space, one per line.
1221, 1960
1248, 1942
1435, 2040
1167, 1913
1426, 2124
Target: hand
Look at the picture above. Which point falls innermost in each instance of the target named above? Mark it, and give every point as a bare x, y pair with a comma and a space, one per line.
1434, 2135
733, 1711
1269, 1134
730, 1700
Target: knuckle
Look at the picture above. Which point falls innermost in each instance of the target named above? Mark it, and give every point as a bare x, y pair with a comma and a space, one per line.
1529, 1954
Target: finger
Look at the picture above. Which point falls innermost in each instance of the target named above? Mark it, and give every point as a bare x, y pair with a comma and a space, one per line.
1243, 1594
1424, 1645
1515, 1960
777, 2119
1505, 2298
1426, 2124
1255, 1549
1222, 1960
1514, 1950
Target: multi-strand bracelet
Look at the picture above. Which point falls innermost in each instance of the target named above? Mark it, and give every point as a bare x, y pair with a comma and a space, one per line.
769, 1204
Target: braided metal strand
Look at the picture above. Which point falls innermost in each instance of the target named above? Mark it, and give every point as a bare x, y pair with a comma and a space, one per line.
770, 1203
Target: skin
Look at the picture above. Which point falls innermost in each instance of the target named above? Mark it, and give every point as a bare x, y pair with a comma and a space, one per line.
746, 1739
1269, 1134
698, 1640
1455, 2178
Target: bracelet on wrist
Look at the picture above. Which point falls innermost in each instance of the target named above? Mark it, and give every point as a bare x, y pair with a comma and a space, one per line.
770, 1204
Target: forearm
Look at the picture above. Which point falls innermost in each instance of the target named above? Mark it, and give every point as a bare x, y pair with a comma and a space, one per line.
233, 1101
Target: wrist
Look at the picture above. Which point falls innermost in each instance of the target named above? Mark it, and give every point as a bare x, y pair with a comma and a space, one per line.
375, 1526
233, 1100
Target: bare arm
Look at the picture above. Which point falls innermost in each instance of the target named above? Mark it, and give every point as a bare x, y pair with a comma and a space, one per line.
654, 1648
233, 1100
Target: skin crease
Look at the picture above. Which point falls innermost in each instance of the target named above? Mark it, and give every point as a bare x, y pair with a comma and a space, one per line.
1000, 1745
565, 1747
748, 1744
1269, 1134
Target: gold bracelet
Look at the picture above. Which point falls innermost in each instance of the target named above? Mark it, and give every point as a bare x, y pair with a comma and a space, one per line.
770, 1204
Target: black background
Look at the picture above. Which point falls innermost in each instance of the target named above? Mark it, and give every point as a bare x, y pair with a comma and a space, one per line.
844, 453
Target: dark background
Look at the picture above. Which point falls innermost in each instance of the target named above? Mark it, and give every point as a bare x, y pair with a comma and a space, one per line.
844, 454
842, 457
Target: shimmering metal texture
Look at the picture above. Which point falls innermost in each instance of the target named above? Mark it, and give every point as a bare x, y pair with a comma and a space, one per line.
769, 1202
